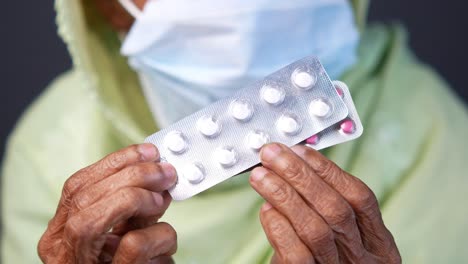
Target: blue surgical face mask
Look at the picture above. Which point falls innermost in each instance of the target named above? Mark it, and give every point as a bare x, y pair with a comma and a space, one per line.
189, 53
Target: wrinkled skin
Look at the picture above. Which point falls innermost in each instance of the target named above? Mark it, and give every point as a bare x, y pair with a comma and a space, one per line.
109, 211
314, 211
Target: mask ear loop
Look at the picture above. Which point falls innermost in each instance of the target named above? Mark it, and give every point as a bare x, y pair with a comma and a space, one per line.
131, 8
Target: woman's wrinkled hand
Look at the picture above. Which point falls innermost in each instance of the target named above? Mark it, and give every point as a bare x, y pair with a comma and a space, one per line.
316, 212
108, 212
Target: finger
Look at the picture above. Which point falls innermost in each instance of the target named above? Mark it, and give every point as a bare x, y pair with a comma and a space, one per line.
275, 259
309, 226
111, 164
112, 243
154, 243
287, 245
84, 231
375, 235
155, 177
162, 260
110, 247
326, 201
141, 222
94, 173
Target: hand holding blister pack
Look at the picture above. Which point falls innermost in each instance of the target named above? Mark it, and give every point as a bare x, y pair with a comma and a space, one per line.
224, 139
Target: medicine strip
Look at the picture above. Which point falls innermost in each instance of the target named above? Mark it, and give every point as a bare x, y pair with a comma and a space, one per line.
224, 139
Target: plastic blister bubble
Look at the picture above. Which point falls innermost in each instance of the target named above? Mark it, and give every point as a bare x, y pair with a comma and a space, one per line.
256, 140
289, 124
194, 173
175, 142
241, 110
320, 108
208, 126
304, 78
272, 94
226, 156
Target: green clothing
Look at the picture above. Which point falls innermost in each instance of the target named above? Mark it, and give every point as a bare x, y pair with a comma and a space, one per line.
412, 154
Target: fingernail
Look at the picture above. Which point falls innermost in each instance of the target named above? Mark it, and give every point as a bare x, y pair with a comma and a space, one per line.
169, 173
148, 151
269, 152
158, 199
258, 174
266, 206
299, 150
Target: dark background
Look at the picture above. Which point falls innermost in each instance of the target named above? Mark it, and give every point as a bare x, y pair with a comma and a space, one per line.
32, 53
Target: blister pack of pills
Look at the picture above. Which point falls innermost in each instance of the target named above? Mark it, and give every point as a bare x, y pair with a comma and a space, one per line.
224, 139
346, 130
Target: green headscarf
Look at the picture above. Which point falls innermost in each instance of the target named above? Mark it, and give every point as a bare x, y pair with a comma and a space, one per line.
412, 154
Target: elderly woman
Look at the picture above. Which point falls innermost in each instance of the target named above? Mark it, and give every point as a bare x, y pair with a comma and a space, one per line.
131, 76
